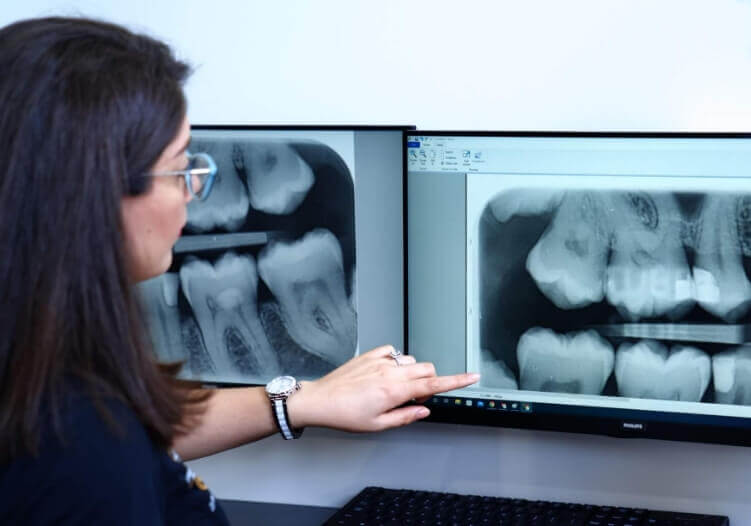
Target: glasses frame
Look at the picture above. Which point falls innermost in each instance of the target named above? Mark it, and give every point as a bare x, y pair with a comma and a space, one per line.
190, 172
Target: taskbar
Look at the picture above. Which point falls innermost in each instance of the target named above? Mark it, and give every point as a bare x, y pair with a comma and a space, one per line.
482, 403
627, 423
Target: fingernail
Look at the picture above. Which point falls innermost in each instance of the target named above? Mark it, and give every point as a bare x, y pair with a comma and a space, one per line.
422, 412
473, 376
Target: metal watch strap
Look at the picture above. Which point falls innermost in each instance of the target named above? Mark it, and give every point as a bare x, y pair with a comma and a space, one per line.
279, 408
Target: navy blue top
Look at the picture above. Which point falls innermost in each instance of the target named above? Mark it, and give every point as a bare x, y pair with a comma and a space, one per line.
99, 477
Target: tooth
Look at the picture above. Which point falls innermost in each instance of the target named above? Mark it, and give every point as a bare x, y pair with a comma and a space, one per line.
278, 179
293, 359
199, 361
159, 298
743, 221
732, 376
648, 274
495, 373
568, 262
524, 202
578, 362
307, 279
722, 287
646, 370
223, 299
227, 205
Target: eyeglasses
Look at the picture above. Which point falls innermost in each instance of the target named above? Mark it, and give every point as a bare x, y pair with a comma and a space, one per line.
199, 175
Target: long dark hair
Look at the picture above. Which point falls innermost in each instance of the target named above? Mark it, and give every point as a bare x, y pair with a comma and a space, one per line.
86, 108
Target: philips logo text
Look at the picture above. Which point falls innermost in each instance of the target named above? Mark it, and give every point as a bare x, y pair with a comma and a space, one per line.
633, 425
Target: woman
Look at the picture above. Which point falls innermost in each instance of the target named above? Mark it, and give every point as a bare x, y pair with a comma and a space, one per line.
90, 115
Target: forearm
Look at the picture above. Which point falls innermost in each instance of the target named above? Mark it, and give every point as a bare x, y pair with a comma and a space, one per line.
233, 417
364, 394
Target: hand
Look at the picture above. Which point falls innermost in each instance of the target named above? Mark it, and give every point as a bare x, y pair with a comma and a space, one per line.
364, 393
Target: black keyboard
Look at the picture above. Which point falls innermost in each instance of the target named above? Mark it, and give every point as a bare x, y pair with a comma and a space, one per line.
397, 507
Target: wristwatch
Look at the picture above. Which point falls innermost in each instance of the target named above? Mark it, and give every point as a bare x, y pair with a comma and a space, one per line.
278, 390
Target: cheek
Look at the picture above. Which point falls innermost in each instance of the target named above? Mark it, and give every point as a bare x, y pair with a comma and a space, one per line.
177, 217
152, 226
167, 225
162, 233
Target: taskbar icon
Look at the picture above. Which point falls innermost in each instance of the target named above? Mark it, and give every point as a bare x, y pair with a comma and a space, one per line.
484, 404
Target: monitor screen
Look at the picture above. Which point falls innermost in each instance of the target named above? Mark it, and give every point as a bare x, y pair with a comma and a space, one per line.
597, 282
293, 264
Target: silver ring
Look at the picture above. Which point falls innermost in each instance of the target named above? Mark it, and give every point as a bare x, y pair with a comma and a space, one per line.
395, 354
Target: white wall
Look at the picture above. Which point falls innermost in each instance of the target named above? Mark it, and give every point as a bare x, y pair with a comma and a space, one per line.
580, 64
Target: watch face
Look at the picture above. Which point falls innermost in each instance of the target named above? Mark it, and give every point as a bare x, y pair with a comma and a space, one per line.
280, 384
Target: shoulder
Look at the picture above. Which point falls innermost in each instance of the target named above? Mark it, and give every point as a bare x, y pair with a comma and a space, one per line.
96, 474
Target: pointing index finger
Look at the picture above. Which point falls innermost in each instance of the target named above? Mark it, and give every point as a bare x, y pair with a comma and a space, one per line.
440, 384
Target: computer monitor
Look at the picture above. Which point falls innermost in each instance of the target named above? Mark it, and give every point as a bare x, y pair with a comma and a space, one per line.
598, 282
294, 263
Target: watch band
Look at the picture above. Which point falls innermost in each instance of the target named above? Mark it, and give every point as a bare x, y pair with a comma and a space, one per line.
279, 408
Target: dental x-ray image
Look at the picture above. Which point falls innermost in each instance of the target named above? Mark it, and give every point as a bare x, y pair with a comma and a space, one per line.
263, 280
633, 292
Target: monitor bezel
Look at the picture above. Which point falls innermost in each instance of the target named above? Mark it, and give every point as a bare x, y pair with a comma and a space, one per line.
406, 128
612, 422
304, 127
